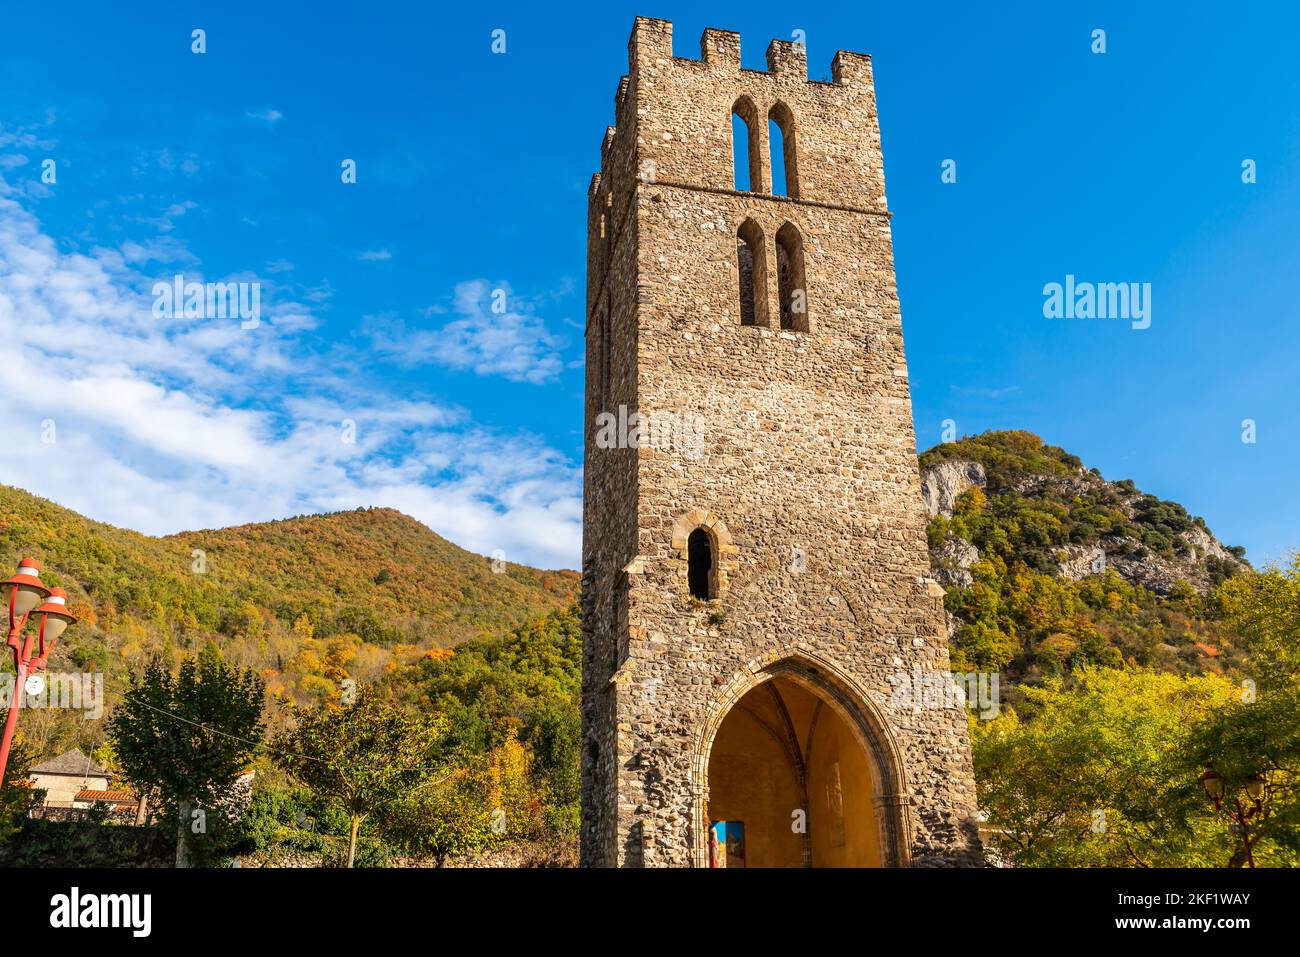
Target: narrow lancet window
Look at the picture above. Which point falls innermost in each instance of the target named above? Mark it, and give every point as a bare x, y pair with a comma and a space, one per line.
751, 269
781, 146
699, 552
745, 154
791, 289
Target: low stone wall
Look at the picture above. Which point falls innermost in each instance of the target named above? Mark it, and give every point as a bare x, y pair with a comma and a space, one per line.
49, 843
531, 855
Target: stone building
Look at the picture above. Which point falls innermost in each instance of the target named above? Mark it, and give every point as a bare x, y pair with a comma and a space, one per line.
63, 778
757, 610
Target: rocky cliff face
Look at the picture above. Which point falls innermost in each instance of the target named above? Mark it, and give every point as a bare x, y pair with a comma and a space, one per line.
1048, 567
1196, 556
951, 561
942, 482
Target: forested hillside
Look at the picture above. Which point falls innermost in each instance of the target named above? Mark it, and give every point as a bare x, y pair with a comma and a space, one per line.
304, 601
1133, 650
1138, 659
1049, 567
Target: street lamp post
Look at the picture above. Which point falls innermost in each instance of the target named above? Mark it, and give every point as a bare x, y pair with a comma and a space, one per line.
27, 595
1240, 814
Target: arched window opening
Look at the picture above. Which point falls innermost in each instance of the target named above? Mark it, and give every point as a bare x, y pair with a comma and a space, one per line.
751, 267
781, 134
699, 560
740, 151
792, 291
747, 163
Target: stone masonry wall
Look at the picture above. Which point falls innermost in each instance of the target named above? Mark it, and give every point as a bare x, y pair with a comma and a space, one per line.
806, 476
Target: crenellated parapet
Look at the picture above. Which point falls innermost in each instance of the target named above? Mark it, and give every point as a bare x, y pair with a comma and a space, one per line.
673, 115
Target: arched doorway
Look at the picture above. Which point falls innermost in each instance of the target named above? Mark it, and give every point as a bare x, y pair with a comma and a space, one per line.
796, 773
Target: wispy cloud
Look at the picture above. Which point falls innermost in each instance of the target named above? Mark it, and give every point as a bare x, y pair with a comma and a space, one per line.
166, 162
165, 221
375, 256
986, 392
27, 137
168, 424
268, 116
493, 333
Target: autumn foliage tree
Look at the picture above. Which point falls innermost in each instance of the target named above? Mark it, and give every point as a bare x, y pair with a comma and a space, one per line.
446, 818
1253, 743
1092, 772
363, 758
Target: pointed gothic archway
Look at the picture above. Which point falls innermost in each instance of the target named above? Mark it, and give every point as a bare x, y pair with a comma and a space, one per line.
790, 737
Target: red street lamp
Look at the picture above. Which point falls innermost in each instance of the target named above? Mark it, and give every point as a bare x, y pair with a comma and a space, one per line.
25, 594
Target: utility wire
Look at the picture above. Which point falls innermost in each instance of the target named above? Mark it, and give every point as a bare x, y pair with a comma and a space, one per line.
266, 747
257, 744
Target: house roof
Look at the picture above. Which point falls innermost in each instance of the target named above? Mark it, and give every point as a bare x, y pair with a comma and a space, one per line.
72, 763
112, 797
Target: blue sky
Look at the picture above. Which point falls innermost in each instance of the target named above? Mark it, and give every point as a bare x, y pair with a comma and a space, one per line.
472, 170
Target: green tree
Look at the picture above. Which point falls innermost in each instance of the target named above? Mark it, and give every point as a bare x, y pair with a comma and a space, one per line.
187, 736
1253, 743
447, 817
555, 728
17, 796
362, 758
1265, 610
520, 685
1094, 772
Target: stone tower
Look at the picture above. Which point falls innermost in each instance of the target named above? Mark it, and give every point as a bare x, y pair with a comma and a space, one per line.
756, 600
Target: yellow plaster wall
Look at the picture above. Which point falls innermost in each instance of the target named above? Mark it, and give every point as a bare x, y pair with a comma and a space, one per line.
752, 780
855, 842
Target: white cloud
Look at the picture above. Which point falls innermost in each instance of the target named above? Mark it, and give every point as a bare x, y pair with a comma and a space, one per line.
25, 138
493, 334
375, 255
269, 117
166, 162
169, 424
